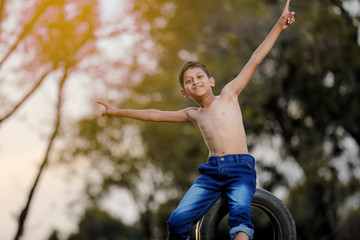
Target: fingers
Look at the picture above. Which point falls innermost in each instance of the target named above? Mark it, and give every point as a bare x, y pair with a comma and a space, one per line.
107, 108
290, 19
287, 5
102, 103
104, 113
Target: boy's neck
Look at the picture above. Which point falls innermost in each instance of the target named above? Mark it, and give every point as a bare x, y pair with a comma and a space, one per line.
206, 101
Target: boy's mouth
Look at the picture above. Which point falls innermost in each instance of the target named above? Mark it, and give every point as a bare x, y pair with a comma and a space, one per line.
197, 88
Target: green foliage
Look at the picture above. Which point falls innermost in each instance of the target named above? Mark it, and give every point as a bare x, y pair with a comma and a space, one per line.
54, 235
69, 34
349, 227
96, 224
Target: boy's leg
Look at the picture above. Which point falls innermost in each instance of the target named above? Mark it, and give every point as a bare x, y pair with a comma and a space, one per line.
196, 202
240, 190
240, 198
241, 236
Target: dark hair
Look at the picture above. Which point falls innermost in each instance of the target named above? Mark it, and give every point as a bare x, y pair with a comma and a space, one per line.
189, 65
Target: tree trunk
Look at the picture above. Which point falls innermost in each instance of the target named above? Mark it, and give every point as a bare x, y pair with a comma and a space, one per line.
23, 215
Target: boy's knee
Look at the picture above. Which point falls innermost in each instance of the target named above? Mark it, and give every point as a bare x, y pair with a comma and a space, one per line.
177, 227
174, 220
175, 231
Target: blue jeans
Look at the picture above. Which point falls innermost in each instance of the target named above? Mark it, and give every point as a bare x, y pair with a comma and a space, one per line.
231, 175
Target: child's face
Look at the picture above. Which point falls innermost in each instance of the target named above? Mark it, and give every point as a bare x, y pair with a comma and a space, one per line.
196, 82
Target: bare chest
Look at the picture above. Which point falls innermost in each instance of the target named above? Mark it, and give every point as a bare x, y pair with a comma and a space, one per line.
224, 115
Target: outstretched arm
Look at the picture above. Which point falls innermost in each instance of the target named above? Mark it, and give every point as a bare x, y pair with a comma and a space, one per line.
238, 84
151, 115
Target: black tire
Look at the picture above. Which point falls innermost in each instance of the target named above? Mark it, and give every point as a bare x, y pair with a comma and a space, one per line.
279, 215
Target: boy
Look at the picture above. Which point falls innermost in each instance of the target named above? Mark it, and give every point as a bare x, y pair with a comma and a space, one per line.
229, 169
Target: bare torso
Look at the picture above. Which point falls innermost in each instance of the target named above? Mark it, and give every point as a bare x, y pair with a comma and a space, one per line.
222, 126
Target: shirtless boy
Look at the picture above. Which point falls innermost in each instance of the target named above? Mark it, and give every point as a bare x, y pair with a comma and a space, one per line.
229, 170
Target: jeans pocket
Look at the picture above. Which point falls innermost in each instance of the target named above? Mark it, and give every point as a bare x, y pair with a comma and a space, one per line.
207, 169
201, 168
252, 168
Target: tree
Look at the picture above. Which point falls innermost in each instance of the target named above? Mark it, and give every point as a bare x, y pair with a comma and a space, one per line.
48, 30
54, 235
348, 228
96, 224
54, 38
24, 212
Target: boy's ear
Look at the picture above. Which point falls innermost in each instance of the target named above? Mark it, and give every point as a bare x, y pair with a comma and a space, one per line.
212, 82
184, 93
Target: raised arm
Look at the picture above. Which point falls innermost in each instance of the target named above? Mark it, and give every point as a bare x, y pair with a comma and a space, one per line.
238, 84
151, 115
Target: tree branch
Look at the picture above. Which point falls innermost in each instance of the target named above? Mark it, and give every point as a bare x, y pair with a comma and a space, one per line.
36, 86
2, 4
24, 212
42, 6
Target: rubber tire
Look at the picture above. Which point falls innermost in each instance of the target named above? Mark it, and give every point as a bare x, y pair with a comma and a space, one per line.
279, 215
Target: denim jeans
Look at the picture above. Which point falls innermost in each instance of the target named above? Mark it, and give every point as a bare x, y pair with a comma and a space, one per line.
231, 175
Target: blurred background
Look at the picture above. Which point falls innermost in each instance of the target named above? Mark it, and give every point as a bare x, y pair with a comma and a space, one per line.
66, 173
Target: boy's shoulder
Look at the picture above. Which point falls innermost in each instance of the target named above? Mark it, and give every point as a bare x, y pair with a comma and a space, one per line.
191, 112
191, 109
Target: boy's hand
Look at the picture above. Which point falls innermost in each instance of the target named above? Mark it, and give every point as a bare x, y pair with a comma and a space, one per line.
109, 110
287, 17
